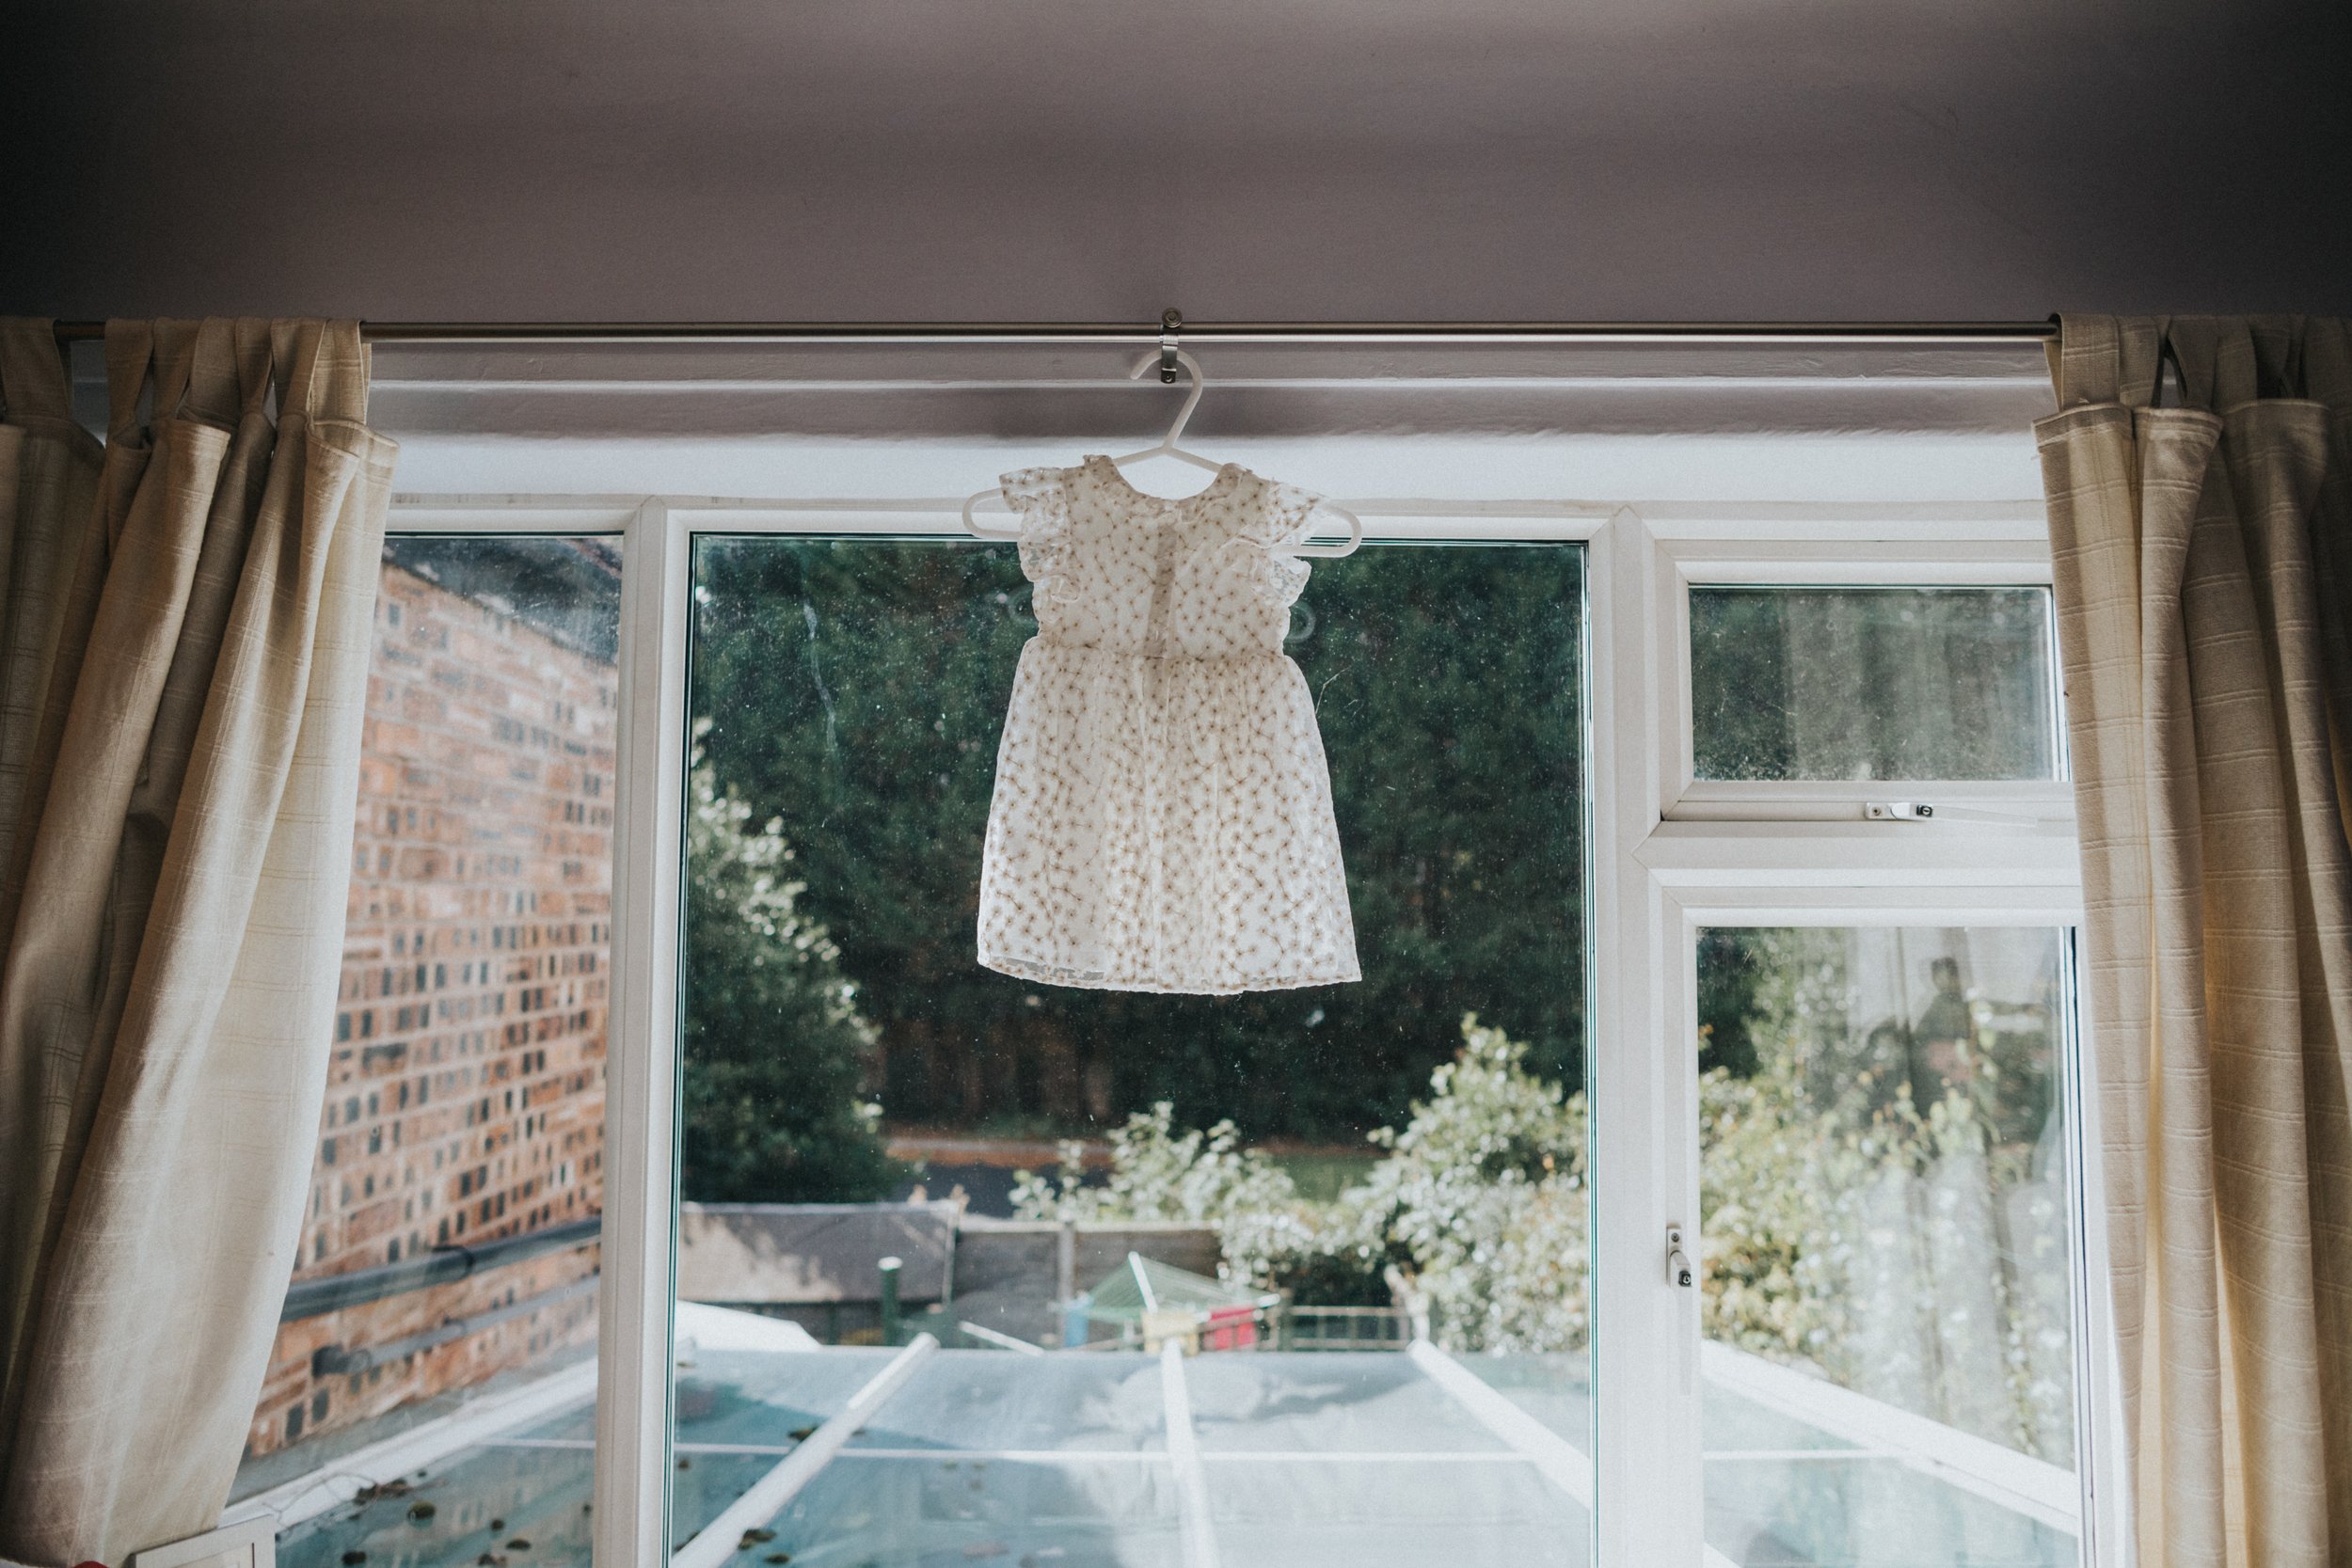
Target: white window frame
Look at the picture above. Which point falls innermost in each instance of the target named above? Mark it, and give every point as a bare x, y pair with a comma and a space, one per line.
1677, 854
1667, 855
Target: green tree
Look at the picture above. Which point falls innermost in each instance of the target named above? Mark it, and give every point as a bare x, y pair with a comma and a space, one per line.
775, 1046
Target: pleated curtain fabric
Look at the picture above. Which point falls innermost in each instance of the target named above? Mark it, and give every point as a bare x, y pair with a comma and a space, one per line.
2199, 542
185, 624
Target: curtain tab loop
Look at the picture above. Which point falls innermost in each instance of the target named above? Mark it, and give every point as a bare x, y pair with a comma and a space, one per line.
213, 383
2109, 359
2276, 343
175, 366
33, 382
283, 337
129, 352
2195, 344
253, 365
329, 379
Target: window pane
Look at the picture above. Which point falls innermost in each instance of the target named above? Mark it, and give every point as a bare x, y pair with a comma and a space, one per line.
1871, 683
857, 1087
1886, 1229
444, 1288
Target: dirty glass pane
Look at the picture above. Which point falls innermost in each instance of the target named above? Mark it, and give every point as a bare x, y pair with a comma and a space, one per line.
1872, 683
1145, 1284
1885, 1249
445, 1288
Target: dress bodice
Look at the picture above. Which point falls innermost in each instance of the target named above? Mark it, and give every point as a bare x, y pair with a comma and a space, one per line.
1195, 576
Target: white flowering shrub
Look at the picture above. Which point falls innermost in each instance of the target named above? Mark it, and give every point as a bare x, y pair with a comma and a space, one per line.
1160, 1174
1772, 1257
1480, 1206
1483, 1202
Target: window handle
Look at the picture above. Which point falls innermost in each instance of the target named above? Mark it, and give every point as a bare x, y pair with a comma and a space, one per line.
1681, 1277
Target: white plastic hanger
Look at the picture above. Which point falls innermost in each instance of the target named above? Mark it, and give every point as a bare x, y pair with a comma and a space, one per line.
1167, 447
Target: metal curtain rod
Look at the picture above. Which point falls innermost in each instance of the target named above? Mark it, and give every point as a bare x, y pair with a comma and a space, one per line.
1922, 333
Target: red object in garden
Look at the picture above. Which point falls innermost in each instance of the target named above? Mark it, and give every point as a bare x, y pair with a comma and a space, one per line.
1229, 1328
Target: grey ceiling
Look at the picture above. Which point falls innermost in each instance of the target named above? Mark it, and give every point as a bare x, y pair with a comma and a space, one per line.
1244, 158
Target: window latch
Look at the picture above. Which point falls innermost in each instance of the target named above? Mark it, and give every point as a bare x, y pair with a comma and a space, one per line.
1899, 810
1678, 1262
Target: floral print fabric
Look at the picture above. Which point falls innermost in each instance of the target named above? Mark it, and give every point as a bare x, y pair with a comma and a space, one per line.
1162, 817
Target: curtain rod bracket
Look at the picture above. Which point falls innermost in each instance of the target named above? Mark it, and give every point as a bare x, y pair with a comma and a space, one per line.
1172, 323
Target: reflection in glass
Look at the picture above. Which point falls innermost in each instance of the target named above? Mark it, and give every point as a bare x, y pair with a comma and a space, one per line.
1142, 1270
1871, 683
1886, 1291
445, 1288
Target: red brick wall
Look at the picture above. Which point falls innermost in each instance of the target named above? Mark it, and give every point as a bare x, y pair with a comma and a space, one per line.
466, 1099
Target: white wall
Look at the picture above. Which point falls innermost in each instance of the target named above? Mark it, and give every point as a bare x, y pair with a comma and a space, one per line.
1099, 159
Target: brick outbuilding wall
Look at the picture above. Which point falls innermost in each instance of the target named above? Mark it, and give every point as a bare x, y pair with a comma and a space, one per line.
466, 1099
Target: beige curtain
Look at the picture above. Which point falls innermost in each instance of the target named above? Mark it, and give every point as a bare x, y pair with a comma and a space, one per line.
184, 634
2199, 550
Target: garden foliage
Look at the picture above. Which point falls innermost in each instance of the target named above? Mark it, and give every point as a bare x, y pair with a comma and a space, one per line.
1846, 1234
775, 1044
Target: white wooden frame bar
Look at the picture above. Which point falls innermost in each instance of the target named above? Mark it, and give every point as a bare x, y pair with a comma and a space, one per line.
2008, 1479
632, 1465
1529, 1438
477, 1423
1196, 1526
716, 1541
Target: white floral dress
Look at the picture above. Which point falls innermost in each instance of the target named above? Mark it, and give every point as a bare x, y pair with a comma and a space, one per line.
1162, 818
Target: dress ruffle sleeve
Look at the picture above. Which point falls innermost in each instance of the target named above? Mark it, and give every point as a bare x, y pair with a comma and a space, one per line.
1041, 499
1286, 517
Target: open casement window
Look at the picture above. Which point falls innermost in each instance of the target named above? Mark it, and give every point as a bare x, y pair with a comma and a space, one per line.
1183, 1374
434, 1368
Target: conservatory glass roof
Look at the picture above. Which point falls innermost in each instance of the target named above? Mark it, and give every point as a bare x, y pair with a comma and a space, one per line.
873, 1458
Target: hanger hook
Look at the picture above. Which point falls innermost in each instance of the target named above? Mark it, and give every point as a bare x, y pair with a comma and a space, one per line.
1192, 400
1172, 323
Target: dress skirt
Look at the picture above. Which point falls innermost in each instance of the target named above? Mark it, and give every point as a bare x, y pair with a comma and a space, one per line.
1162, 824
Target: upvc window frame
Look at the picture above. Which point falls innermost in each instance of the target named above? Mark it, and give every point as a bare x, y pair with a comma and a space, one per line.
1665, 853
1751, 853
